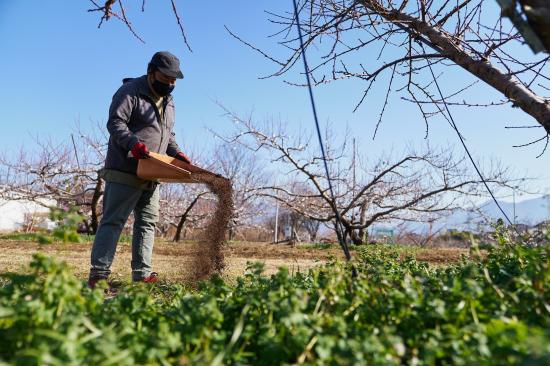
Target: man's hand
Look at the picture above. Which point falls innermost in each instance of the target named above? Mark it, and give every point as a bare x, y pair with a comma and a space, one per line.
181, 156
140, 151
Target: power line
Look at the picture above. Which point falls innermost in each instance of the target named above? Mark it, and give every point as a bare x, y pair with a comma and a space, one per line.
421, 40
455, 128
338, 221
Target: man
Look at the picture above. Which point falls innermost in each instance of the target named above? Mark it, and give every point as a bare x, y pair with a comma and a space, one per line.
141, 119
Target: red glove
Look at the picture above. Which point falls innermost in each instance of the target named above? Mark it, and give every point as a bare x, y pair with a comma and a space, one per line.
140, 151
181, 156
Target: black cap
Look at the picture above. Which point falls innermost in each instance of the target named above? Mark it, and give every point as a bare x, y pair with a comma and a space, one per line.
167, 63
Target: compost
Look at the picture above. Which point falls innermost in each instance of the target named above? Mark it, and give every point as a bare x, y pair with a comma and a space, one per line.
211, 258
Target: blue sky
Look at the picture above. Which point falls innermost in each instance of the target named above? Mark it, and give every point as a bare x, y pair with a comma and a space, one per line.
58, 67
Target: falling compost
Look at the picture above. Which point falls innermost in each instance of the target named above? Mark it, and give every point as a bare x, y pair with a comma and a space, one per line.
211, 257
167, 169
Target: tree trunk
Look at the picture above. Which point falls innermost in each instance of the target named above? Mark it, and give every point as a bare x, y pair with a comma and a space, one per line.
313, 236
231, 232
362, 235
345, 233
181, 222
358, 236
94, 205
183, 218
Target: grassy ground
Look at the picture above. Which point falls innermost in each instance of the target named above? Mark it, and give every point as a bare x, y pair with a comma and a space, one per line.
174, 262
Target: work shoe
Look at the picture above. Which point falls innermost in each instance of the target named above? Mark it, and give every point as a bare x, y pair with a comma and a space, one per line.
92, 282
110, 292
152, 278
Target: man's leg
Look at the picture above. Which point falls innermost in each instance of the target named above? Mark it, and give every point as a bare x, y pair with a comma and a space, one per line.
146, 216
118, 202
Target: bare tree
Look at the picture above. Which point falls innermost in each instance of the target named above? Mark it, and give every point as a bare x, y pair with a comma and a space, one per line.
246, 173
108, 11
67, 173
531, 19
415, 43
299, 225
311, 226
188, 206
95, 141
413, 187
62, 172
177, 202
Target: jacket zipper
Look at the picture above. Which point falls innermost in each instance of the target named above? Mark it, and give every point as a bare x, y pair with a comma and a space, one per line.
161, 124
157, 113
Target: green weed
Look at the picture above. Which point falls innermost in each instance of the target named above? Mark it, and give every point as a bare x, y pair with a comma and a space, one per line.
492, 310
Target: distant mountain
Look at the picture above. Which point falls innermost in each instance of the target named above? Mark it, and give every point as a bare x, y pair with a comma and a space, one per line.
529, 212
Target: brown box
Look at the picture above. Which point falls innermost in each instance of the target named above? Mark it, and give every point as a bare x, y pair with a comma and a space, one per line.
164, 168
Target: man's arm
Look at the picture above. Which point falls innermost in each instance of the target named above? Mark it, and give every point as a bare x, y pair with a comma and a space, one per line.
172, 149
119, 116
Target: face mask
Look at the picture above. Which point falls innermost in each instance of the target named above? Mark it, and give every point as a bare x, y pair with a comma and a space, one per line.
161, 88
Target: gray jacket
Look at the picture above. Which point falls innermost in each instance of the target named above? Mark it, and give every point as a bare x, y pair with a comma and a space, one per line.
134, 117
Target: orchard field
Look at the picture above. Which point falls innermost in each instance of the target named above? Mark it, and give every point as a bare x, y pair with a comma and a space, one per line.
174, 262
405, 307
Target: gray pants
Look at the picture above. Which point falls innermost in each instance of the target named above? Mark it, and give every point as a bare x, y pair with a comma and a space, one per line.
119, 201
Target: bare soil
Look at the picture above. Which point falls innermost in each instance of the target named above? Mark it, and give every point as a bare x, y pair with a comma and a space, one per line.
176, 262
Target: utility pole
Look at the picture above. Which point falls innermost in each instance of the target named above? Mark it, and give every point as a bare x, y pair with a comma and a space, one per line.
353, 211
277, 223
430, 233
353, 166
514, 200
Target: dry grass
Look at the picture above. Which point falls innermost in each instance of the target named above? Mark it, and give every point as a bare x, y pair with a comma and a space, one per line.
175, 262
